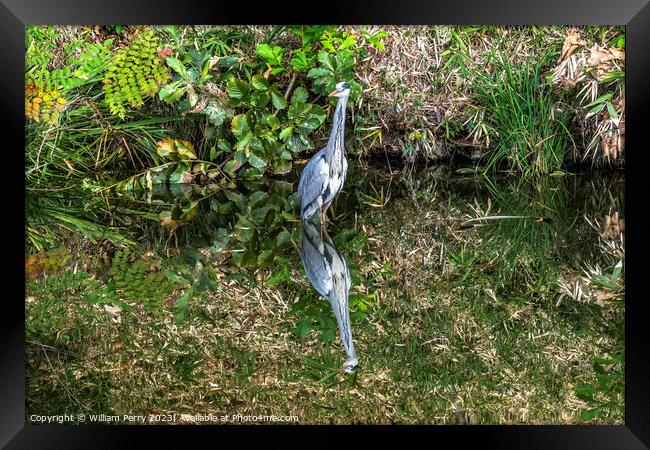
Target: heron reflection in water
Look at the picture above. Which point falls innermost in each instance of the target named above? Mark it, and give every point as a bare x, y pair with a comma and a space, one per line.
328, 273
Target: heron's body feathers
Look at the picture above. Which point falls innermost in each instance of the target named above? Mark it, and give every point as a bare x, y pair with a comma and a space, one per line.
324, 175
329, 274
313, 183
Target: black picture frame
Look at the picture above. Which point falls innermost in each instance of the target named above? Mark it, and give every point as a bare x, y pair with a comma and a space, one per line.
635, 14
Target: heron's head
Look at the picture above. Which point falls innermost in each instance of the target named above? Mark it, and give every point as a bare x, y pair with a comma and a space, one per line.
342, 90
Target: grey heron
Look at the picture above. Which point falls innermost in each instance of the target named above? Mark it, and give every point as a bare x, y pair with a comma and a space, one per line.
324, 175
328, 273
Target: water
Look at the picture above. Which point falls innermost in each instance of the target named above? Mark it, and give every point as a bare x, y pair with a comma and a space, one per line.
216, 215
471, 299
253, 223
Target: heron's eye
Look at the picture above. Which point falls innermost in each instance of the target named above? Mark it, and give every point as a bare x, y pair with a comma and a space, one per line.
345, 86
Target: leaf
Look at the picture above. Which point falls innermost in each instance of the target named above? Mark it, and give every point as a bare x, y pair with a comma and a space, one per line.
295, 144
296, 110
273, 121
192, 96
600, 100
237, 88
185, 150
300, 95
318, 72
265, 51
585, 392
181, 306
189, 212
232, 166
265, 257
217, 114
285, 133
279, 277
182, 175
228, 62
284, 238
590, 413
315, 118
177, 279
303, 327
595, 110
178, 67
571, 43
172, 92
617, 270
259, 214
300, 62
256, 161
257, 197
279, 102
326, 60
260, 99
243, 145
244, 229
348, 42
345, 63
224, 145
165, 148
611, 111
281, 166
175, 149
260, 83
620, 42
240, 126
328, 336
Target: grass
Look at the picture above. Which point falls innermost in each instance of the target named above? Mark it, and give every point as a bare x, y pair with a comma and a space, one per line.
412, 91
524, 115
444, 338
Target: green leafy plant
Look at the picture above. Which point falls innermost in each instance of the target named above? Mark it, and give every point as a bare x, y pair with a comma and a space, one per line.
80, 63
304, 57
260, 234
259, 138
134, 73
272, 56
314, 314
46, 87
194, 89
193, 272
333, 68
605, 395
134, 281
269, 122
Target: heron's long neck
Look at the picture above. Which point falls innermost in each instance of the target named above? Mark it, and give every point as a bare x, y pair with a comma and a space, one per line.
338, 127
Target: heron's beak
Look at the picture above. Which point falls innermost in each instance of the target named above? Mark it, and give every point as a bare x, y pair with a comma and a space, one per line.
333, 94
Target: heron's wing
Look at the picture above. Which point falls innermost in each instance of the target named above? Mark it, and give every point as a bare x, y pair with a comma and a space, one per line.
313, 182
338, 297
313, 258
340, 273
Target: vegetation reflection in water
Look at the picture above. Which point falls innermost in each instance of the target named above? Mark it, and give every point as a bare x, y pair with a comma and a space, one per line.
457, 318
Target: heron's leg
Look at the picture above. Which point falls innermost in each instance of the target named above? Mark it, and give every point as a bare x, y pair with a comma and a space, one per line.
320, 216
325, 211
